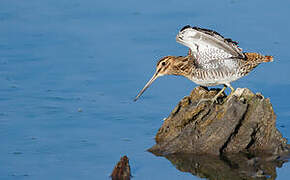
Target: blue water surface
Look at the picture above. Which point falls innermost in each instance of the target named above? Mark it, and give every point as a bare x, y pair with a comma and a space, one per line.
69, 70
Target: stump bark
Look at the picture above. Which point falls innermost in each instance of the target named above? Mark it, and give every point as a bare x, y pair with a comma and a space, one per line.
245, 122
122, 170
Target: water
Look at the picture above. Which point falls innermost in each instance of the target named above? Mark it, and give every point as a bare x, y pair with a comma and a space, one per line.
70, 70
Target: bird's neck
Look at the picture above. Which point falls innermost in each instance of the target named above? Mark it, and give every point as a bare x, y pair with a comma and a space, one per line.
182, 66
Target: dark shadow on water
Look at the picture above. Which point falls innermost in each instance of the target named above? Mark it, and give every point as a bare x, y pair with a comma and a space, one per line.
230, 167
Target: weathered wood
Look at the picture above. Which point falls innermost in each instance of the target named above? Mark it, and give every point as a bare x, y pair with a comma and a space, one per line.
122, 170
245, 122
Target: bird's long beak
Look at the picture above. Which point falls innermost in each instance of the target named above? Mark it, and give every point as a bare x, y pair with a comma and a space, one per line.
155, 76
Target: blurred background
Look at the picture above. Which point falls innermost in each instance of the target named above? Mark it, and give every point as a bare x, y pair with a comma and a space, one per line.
69, 70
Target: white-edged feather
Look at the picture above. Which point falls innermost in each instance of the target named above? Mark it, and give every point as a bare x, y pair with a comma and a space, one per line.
207, 45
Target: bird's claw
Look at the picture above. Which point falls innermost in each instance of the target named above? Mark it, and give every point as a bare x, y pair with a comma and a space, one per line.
213, 100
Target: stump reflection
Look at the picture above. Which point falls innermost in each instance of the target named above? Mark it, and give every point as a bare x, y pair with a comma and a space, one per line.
230, 167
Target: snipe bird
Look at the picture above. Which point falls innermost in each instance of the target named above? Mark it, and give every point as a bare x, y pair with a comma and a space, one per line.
212, 60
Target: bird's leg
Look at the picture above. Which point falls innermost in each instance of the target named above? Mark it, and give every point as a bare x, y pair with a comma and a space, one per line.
232, 90
214, 99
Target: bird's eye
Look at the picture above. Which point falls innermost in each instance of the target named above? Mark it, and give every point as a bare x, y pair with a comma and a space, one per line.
163, 63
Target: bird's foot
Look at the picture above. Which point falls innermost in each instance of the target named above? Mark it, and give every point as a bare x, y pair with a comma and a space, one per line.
215, 98
228, 97
212, 100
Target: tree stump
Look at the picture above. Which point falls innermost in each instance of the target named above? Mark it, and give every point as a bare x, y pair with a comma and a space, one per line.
245, 122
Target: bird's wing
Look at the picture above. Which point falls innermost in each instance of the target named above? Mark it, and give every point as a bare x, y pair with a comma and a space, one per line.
207, 45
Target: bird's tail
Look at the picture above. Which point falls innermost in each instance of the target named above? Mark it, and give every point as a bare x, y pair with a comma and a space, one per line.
268, 59
255, 57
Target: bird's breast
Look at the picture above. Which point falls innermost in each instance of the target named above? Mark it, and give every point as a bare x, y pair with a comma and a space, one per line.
214, 77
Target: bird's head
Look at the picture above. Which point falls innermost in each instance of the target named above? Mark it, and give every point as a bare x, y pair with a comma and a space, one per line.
165, 66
